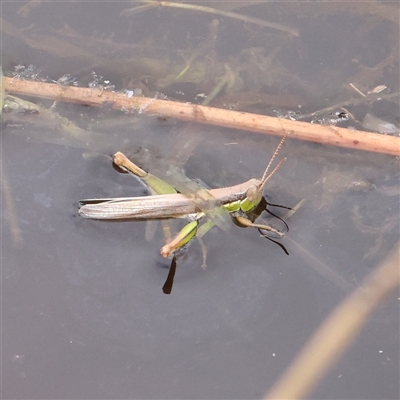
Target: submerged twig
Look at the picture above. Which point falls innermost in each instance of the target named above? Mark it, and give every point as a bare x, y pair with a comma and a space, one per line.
11, 214
352, 102
228, 14
317, 265
341, 137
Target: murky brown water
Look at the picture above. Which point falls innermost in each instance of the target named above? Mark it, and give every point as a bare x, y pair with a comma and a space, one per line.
83, 314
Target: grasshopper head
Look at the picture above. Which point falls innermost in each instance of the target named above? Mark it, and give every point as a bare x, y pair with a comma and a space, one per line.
253, 197
254, 193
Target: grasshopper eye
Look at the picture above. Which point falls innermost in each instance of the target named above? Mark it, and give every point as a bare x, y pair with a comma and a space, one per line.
252, 193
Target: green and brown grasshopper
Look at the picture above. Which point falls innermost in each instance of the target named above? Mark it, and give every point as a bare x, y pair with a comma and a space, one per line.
240, 202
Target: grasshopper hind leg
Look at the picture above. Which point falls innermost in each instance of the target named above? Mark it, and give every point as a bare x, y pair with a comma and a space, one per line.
167, 288
179, 253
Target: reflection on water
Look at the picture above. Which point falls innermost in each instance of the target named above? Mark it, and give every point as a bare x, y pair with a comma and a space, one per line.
83, 310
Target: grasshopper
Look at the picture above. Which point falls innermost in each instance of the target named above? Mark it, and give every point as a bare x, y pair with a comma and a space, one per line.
240, 201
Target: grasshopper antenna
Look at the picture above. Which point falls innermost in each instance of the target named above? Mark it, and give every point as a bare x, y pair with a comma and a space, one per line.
266, 177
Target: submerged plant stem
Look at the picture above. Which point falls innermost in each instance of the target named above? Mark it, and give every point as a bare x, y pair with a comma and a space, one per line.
337, 332
210, 10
